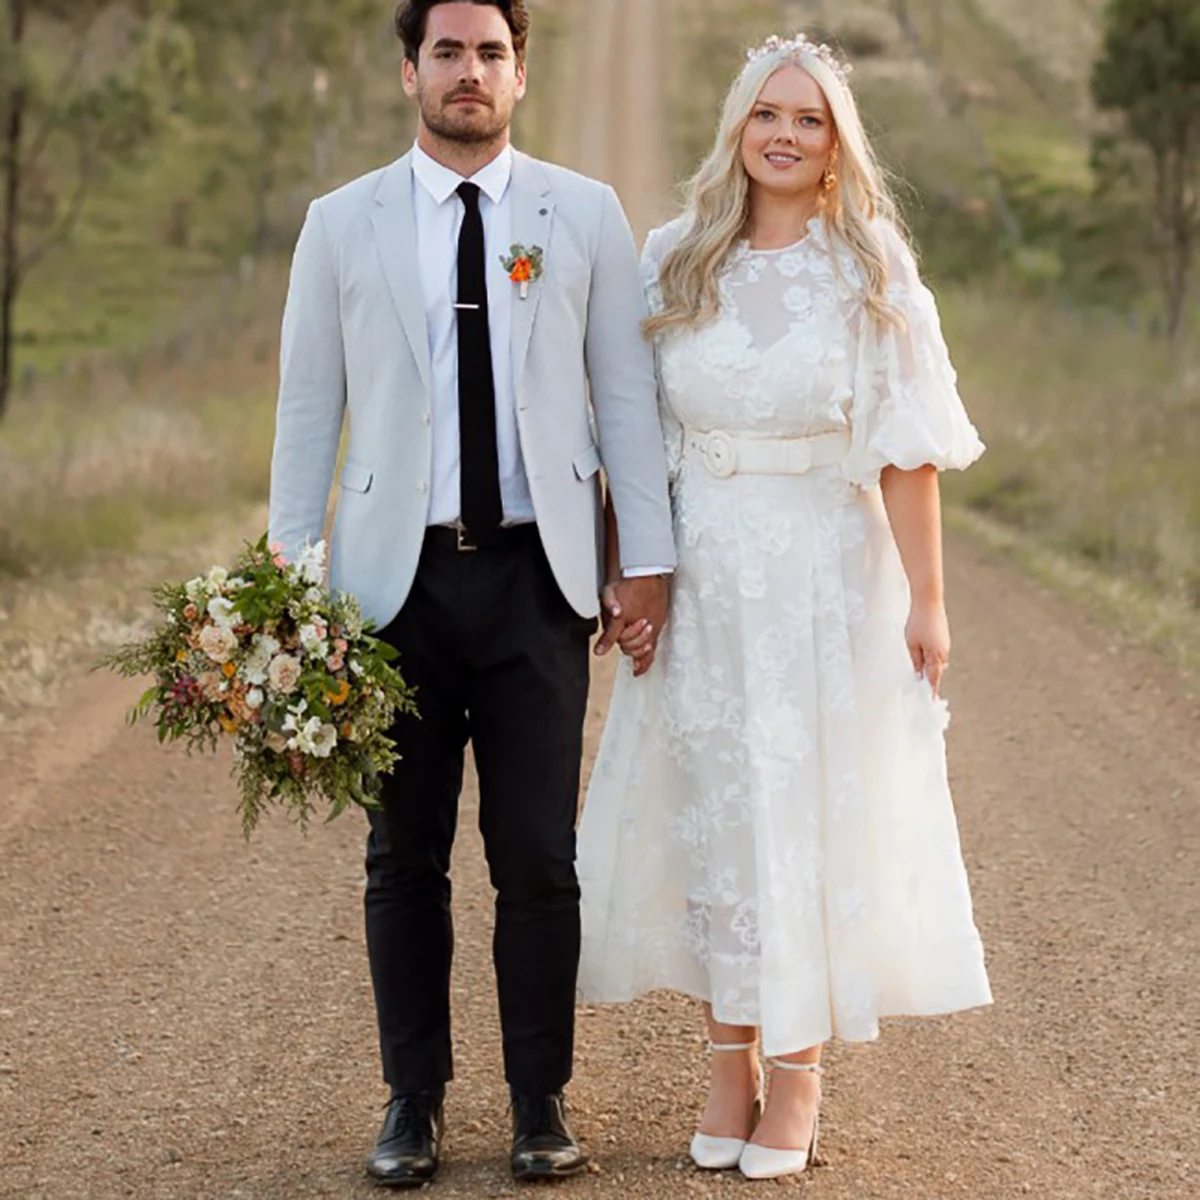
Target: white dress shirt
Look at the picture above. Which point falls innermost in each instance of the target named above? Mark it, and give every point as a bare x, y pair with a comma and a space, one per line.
439, 216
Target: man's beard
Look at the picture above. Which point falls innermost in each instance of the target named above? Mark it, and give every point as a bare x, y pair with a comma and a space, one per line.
470, 129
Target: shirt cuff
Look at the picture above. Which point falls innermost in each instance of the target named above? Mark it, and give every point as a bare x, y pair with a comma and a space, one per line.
645, 572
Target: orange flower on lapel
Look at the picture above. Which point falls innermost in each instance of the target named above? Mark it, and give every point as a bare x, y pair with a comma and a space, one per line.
524, 265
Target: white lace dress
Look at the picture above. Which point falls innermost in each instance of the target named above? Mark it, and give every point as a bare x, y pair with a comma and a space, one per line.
769, 825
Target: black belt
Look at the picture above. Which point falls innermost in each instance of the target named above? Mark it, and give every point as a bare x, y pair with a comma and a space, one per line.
441, 539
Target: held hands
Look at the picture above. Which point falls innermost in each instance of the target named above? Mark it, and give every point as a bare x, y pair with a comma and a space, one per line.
928, 637
634, 613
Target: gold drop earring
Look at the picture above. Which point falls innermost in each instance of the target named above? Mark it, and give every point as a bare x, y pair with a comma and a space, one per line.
830, 179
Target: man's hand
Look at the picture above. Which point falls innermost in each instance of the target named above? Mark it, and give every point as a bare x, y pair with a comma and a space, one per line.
634, 614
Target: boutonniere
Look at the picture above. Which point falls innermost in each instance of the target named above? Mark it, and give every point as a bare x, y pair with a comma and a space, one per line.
524, 266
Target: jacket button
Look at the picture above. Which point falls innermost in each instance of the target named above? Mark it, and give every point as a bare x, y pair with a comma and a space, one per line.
422, 487
428, 418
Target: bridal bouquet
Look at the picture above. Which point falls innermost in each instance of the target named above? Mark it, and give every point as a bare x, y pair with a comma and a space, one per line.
263, 656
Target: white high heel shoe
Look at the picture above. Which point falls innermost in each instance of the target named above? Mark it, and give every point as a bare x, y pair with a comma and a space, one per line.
724, 1153
763, 1162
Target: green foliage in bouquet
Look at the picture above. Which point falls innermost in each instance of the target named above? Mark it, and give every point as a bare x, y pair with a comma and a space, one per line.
261, 654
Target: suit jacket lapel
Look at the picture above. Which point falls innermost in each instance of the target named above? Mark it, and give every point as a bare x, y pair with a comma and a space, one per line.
532, 221
396, 234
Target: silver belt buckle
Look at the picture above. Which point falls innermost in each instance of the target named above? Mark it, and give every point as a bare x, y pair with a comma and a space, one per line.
464, 545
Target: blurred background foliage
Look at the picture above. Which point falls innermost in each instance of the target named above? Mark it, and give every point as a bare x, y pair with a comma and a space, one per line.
1045, 153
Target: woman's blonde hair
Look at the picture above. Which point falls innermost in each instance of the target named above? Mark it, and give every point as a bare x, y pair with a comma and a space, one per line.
718, 201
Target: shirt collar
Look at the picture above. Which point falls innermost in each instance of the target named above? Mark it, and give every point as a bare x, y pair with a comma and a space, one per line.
441, 182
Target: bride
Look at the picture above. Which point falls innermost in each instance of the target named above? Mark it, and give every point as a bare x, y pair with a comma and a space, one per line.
769, 826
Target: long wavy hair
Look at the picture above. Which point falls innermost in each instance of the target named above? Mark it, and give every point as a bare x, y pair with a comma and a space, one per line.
717, 211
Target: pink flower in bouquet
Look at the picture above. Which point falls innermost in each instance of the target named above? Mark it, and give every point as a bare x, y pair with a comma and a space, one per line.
336, 662
284, 674
341, 645
276, 549
191, 612
218, 642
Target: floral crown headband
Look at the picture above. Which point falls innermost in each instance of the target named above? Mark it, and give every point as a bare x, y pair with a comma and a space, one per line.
800, 45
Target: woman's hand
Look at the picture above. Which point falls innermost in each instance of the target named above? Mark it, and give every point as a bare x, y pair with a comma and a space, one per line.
634, 612
928, 638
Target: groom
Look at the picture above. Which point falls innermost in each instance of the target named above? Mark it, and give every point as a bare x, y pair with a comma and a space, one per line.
483, 401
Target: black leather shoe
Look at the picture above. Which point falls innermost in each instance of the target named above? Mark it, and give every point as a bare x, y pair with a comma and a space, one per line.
543, 1145
406, 1154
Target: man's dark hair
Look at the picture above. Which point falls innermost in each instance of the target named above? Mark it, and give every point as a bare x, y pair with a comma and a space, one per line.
412, 17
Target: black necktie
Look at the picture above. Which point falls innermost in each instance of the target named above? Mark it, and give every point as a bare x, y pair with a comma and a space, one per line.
479, 467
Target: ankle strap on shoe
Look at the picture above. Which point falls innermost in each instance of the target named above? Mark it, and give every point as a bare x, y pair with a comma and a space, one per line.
722, 1047
783, 1064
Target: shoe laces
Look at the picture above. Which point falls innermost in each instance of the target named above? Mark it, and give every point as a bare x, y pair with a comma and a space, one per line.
407, 1112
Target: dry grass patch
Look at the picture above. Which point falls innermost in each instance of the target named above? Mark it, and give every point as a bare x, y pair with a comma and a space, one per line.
1094, 438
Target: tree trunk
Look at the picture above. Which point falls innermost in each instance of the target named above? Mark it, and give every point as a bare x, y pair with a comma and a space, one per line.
1174, 169
10, 272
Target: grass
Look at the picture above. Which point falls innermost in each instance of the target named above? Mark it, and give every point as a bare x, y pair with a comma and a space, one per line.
93, 459
125, 470
1094, 434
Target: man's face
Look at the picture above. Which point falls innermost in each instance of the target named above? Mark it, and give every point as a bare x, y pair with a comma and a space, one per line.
467, 81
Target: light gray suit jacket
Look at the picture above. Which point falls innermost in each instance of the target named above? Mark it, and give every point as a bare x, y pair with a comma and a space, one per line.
355, 337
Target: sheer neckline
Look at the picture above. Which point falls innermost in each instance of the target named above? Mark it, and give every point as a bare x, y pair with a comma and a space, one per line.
811, 227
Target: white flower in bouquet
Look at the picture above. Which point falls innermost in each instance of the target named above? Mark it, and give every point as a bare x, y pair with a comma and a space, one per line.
195, 589
312, 638
323, 741
218, 642
314, 737
262, 650
217, 578
284, 674
221, 611
311, 564
255, 698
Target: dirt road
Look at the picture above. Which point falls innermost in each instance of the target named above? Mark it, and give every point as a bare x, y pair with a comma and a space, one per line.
183, 1017
618, 130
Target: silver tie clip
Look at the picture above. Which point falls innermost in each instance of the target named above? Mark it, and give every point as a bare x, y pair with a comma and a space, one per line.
469, 307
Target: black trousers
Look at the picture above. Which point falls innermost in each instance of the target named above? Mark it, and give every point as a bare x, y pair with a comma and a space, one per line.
498, 657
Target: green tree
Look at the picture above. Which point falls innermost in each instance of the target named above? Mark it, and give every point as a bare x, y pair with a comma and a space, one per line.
1148, 76
278, 76
84, 87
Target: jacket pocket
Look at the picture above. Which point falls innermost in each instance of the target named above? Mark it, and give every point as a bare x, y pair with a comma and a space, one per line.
587, 463
356, 478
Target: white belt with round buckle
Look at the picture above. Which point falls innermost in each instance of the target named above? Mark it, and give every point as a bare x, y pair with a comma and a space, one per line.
727, 454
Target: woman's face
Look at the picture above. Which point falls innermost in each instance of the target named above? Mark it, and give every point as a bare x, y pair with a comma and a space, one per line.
790, 136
